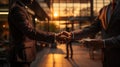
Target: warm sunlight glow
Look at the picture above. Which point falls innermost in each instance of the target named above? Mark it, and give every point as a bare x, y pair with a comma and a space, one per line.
55, 14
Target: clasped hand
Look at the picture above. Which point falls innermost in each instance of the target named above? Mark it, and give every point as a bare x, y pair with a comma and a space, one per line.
66, 37
63, 37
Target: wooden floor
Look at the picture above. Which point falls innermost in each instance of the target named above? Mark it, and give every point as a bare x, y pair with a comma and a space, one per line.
49, 57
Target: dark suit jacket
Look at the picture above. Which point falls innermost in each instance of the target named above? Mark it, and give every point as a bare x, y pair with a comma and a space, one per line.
20, 27
110, 33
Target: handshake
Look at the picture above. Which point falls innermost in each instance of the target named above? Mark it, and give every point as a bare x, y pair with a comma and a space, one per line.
63, 37
66, 37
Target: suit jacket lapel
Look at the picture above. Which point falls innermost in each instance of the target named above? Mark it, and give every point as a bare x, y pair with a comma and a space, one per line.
102, 17
104, 22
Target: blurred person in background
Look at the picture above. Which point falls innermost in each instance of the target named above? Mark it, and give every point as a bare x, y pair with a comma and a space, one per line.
69, 48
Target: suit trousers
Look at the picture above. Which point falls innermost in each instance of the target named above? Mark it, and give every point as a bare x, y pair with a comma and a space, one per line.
69, 46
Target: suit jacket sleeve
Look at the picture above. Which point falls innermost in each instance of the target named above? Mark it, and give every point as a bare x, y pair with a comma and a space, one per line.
23, 24
91, 30
87, 32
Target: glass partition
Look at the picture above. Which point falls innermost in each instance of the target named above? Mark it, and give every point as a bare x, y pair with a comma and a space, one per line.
78, 10
98, 4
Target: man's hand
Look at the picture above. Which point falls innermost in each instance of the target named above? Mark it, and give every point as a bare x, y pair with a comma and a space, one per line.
63, 37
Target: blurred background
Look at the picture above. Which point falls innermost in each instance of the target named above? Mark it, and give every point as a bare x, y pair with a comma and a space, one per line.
55, 15
51, 16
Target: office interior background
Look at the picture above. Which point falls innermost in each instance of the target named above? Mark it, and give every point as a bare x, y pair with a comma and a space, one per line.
55, 15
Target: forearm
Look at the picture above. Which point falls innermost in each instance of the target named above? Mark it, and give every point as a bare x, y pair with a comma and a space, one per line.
46, 37
30, 32
76, 35
79, 34
40, 35
88, 31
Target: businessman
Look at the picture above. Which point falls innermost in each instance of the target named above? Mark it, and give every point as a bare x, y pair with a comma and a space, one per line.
20, 27
108, 22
